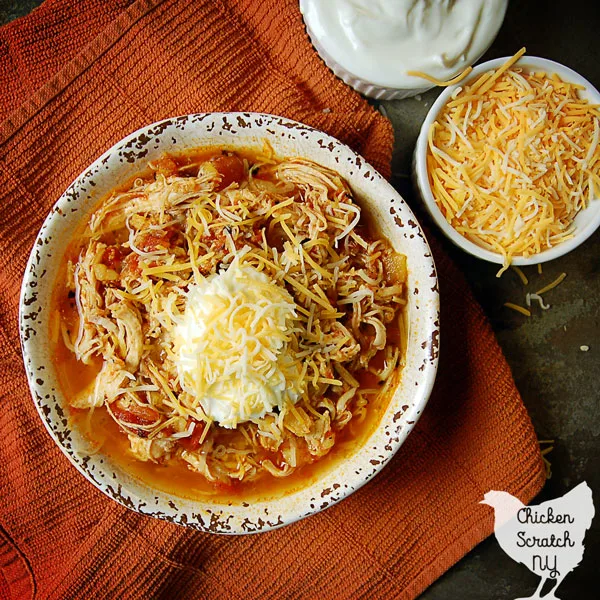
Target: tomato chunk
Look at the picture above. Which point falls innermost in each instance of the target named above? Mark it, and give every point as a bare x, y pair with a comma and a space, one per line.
112, 257
135, 414
152, 240
165, 166
192, 443
231, 169
131, 263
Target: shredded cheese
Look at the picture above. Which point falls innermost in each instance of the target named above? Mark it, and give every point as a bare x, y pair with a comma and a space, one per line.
537, 298
232, 346
518, 308
552, 285
521, 275
230, 308
513, 158
441, 82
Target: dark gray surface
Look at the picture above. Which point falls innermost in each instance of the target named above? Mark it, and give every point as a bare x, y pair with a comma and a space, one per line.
557, 380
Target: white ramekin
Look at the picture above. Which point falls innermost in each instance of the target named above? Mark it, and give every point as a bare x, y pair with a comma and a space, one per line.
369, 88
366, 88
587, 221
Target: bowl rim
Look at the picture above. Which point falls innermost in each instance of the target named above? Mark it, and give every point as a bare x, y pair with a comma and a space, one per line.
47, 395
421, 177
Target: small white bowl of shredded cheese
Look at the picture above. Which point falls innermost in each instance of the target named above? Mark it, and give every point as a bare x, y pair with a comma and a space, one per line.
508, 161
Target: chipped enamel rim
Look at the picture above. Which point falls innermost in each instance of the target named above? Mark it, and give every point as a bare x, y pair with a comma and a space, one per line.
242, 130
586, 221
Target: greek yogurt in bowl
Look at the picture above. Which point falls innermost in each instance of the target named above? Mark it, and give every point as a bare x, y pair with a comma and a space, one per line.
375, 45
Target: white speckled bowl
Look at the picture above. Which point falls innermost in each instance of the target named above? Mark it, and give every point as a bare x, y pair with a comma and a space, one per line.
243, 130
586, 221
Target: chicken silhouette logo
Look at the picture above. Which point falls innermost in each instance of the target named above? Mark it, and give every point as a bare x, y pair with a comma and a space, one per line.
548, 537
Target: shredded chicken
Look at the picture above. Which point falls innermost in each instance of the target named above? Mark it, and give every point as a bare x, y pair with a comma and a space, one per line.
297, 223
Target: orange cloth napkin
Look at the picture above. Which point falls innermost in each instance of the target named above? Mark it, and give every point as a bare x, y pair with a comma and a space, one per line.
77, 77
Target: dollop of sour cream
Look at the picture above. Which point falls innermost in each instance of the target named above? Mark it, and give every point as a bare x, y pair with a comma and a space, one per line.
231, 345
379, 41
